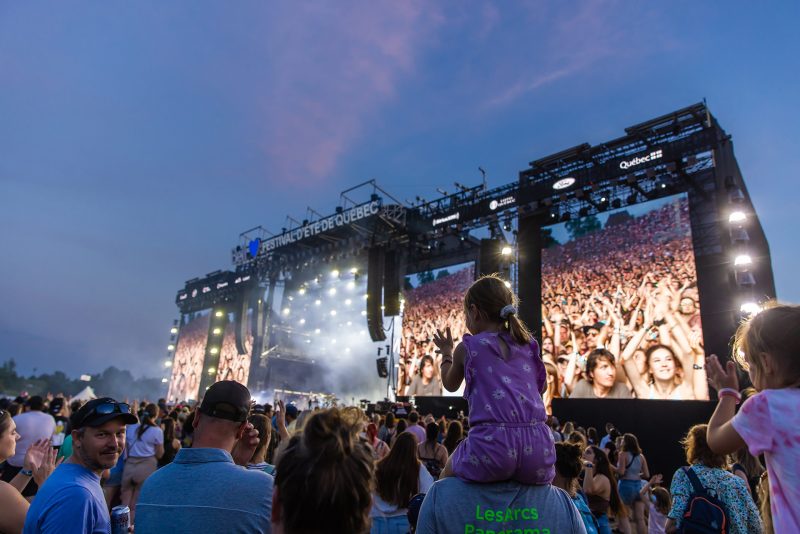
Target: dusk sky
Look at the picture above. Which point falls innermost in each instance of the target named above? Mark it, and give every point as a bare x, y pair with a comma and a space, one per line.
138, 139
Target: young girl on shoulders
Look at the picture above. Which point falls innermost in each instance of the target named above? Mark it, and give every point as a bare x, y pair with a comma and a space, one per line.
768, 347
500, 361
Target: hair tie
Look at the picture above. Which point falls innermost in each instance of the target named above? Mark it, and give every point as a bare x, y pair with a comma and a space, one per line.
508, 310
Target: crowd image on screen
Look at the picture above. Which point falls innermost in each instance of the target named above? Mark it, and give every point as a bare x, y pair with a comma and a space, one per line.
232, 365
187, 367
431, 306
620, 308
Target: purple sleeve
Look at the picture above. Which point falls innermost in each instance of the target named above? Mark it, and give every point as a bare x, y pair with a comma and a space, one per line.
753, 423
541, 372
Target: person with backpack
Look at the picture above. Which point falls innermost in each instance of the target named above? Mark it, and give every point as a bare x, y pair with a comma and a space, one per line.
706, 498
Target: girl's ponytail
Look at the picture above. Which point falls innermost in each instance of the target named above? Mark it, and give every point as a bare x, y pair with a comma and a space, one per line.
519, 331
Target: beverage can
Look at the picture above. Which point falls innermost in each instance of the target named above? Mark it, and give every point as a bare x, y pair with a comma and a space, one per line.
120, 519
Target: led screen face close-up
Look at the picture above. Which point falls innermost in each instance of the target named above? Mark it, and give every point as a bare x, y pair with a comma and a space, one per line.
620, 305
187, 367
434, 300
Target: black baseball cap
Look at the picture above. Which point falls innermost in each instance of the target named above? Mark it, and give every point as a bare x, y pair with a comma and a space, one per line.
98, 412
227, 399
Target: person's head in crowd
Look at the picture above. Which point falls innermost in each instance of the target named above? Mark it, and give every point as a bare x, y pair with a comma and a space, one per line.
562, 363
662, 500
592, 332
221, 419
402, 425
291, 412
455, 433
767, 347
611, 451
35, 404
268, 410
483, 304
594, 318
427, 368
98, 433
688, 306
56, 405
600, 368
413, 418
431, 433
568, 466
148, 418
8, 436
591, 435
597, 456
640, 359
389, 422
578, 438
74, 406
547, 345
697, 450
662, 365
372, 433
261, 423
609, 428
354, 417
14, 408
630, 444
553, 381
328, 457
397, 475
569, 428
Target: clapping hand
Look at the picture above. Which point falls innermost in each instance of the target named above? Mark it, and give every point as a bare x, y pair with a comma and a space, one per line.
656, 479
720, 377
40, 458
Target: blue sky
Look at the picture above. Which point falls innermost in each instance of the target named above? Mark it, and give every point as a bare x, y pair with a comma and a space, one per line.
138, 139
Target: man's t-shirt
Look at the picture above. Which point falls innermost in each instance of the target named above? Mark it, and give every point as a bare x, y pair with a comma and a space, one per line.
453, 506
70, 501
32, 426
769, 423
418, 431
583, 390
202, 490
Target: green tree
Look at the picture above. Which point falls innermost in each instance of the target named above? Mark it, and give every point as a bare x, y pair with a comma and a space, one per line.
442, 274
547, 238
425, 277
582, 226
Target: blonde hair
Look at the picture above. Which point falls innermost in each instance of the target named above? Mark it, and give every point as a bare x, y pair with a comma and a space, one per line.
489, 294
775, 331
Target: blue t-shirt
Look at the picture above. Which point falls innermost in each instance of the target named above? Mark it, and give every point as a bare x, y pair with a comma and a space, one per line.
202, 490
71, 500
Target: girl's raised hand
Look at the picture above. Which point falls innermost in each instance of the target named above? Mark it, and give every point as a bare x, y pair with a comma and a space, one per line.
720, 377
444, 342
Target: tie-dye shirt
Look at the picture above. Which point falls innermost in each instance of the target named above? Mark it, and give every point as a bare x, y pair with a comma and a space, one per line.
769, 422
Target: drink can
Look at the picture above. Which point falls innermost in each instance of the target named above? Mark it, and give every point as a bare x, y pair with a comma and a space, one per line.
120, 519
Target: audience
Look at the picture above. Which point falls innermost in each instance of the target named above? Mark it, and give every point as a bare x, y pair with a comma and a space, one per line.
33, 425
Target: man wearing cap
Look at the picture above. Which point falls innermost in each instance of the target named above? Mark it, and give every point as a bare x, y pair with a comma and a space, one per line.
71, 500
203, 489
32, 425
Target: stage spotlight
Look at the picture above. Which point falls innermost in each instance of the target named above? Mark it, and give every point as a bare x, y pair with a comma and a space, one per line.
302, 291
332, 291
506, 250
363, 312
219, 313
737, 217
164, 380
214, 350
351, 285
212, 371
173, 330
353, 270
317, 302
334, 273
333, 312
316, 330
302, 321
286, 311
217, 331
170, 347
742, 259
168, 363
348, 302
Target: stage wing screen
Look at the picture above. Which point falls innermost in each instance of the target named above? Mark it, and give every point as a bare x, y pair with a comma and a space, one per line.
623, 281
232, 365
187, 366
433, 300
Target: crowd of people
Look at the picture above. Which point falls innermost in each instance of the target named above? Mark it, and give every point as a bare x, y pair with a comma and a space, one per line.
189, 355
227, 465
430, 307
624, 325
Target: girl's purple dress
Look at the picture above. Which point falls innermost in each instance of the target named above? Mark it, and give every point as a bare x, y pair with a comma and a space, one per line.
508, 436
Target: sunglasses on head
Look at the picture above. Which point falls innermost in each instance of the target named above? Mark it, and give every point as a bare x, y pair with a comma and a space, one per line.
107, 408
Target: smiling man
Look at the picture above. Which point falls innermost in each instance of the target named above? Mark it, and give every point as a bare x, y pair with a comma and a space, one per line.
601, 379
71, 501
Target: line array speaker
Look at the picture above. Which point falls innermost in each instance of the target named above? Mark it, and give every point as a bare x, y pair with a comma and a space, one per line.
391, 284
375, 268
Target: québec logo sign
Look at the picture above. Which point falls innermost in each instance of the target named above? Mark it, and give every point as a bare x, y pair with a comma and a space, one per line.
656, 154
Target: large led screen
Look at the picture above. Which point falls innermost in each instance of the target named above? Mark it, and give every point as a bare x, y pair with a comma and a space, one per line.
232, 365
620, 305
187, 366
433, 300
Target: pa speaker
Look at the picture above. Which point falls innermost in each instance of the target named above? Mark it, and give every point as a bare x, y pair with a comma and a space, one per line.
375, 268
383, 368
391, 284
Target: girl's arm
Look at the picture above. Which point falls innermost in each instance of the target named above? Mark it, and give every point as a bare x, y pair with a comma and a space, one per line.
452, 360
721, 436
649, 485
622, 462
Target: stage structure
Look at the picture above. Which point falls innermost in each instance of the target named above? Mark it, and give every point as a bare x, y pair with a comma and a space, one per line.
331, 287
